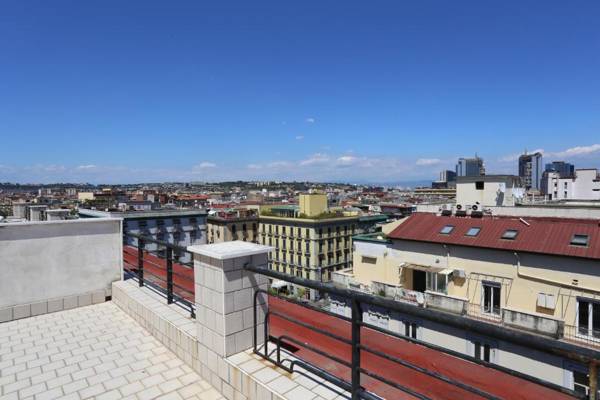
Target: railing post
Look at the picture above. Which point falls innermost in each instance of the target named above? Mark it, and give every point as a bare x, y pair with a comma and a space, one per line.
169, 275
140, 262
356, 324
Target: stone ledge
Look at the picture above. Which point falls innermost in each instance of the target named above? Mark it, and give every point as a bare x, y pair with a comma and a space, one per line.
21, 311
243, 376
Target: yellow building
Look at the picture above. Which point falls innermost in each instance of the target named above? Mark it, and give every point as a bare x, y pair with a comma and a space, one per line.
83, 196
535, 274
226, 226
309, 241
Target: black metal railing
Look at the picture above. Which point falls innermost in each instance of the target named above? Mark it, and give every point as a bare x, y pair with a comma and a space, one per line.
165, 268
357, 326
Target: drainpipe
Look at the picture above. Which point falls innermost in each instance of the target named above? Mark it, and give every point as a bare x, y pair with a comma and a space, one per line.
447, 256
518, 263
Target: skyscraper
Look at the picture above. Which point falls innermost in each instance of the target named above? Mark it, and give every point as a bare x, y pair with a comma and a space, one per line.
470, 167
564, 169
447, 176
530, 170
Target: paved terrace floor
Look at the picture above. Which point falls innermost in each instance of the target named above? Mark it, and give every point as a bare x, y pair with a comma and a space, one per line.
94, 352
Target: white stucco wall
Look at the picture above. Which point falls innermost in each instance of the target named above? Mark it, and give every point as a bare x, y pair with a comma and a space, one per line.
46, 260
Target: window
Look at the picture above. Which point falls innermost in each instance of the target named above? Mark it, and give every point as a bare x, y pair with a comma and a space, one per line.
588, 318
510, 234
437, 282
446, 230
490, 292
474, 231
410, 329
482, 351
579, 240
479, 185
369, 260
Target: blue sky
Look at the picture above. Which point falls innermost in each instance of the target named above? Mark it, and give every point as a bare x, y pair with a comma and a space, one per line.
383, 91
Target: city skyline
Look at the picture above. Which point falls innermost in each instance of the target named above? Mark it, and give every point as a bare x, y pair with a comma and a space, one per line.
356, 94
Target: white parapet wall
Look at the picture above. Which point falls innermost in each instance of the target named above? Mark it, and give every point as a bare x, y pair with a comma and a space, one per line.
55, 265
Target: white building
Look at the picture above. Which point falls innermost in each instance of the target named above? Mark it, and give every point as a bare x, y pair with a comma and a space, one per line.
585, 185
487, 191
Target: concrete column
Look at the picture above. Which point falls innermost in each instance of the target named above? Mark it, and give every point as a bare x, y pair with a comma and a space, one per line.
225, 295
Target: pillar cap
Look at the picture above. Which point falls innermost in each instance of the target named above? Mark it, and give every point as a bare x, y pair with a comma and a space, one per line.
227, 250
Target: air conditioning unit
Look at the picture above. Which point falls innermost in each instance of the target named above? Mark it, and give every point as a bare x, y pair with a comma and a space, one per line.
459, 273
476, 214
461, 210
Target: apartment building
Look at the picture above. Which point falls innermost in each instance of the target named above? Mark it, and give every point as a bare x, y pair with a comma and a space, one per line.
530, 170
233, 224
584, 184
311, 241
180, 227
470, 167
537, 275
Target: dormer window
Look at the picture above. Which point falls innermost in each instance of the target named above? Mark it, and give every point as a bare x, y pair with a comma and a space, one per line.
474, 231
510, 234
446, 230
580, 240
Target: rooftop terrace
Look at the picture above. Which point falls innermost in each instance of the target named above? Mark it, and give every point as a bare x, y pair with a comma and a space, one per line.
69, 343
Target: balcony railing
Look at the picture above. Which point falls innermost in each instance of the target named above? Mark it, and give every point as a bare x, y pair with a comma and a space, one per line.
576, 334
167, 269
477, 311
353, 366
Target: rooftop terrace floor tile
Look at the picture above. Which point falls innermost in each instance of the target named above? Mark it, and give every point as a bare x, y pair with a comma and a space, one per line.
91, 352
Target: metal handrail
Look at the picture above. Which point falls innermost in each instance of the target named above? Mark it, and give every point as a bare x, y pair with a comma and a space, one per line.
168, 291
358, 298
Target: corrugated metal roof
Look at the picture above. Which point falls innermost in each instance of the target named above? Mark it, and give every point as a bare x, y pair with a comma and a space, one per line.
536, 235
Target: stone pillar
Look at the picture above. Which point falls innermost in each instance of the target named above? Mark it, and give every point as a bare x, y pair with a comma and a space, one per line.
225, 295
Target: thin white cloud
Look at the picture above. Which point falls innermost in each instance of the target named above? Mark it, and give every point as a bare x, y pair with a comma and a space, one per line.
422, 162
310, 120
572, 152
347, 160
254, 166
515, 156
87, 166
318, 158
299, 137
279, 164
205, 165
577, 151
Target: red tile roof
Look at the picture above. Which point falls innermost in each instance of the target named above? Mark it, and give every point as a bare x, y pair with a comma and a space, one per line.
536, 235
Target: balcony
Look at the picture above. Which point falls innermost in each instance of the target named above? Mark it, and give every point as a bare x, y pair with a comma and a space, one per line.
443, 302
582, 336
536, 323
